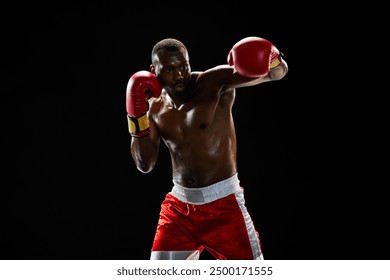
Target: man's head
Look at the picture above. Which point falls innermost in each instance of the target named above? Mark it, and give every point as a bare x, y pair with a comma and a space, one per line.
170, 63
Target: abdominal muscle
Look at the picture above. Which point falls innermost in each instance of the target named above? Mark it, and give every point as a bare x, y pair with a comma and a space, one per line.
204, 160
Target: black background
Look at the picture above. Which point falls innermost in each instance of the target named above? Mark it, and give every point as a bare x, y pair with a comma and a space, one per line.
310, 147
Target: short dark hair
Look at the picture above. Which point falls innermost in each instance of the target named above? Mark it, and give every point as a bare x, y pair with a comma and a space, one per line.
168, 44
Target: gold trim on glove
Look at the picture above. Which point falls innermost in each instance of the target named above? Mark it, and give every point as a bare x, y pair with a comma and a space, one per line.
275, 63
137, 125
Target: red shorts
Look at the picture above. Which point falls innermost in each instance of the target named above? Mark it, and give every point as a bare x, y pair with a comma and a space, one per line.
214, 218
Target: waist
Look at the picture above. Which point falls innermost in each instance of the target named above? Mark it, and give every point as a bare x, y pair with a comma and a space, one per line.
208, 193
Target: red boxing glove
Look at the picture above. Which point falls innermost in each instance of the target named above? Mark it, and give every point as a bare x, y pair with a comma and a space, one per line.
253, 57
141, 86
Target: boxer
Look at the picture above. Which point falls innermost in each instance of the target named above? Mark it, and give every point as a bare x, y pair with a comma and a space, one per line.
191, 112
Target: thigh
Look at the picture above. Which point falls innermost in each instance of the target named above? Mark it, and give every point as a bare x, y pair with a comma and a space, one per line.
234, 235
173, 237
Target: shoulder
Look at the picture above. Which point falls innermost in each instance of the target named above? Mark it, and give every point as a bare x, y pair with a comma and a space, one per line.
217, 74
220, 70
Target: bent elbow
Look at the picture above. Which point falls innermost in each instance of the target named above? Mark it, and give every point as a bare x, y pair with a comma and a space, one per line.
279, 73
145, 168
284, 70
145, 163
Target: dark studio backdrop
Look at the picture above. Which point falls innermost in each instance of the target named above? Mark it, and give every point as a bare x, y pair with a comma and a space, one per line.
309, 146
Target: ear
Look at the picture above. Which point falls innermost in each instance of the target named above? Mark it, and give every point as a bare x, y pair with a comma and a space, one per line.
152, 69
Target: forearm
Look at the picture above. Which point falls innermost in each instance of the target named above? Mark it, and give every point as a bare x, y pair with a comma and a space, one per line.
274, 74
144, 153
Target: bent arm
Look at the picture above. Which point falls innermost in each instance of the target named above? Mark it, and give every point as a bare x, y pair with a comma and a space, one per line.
275, 74
144, 145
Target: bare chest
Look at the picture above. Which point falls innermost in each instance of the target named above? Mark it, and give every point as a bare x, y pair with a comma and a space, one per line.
187, 119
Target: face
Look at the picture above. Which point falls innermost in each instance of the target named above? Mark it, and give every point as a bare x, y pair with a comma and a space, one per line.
173, 70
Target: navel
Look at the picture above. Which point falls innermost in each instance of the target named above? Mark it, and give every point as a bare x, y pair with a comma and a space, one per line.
190, 181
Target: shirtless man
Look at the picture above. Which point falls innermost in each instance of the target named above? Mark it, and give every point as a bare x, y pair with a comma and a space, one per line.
192, 113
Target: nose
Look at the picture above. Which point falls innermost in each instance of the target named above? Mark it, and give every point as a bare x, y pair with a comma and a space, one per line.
177, 75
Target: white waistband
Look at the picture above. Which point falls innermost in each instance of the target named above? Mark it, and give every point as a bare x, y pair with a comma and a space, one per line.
206, 194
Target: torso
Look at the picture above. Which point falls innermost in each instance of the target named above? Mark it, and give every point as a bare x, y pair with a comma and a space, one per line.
199, 134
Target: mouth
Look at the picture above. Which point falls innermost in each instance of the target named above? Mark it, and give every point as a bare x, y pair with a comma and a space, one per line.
179, 87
